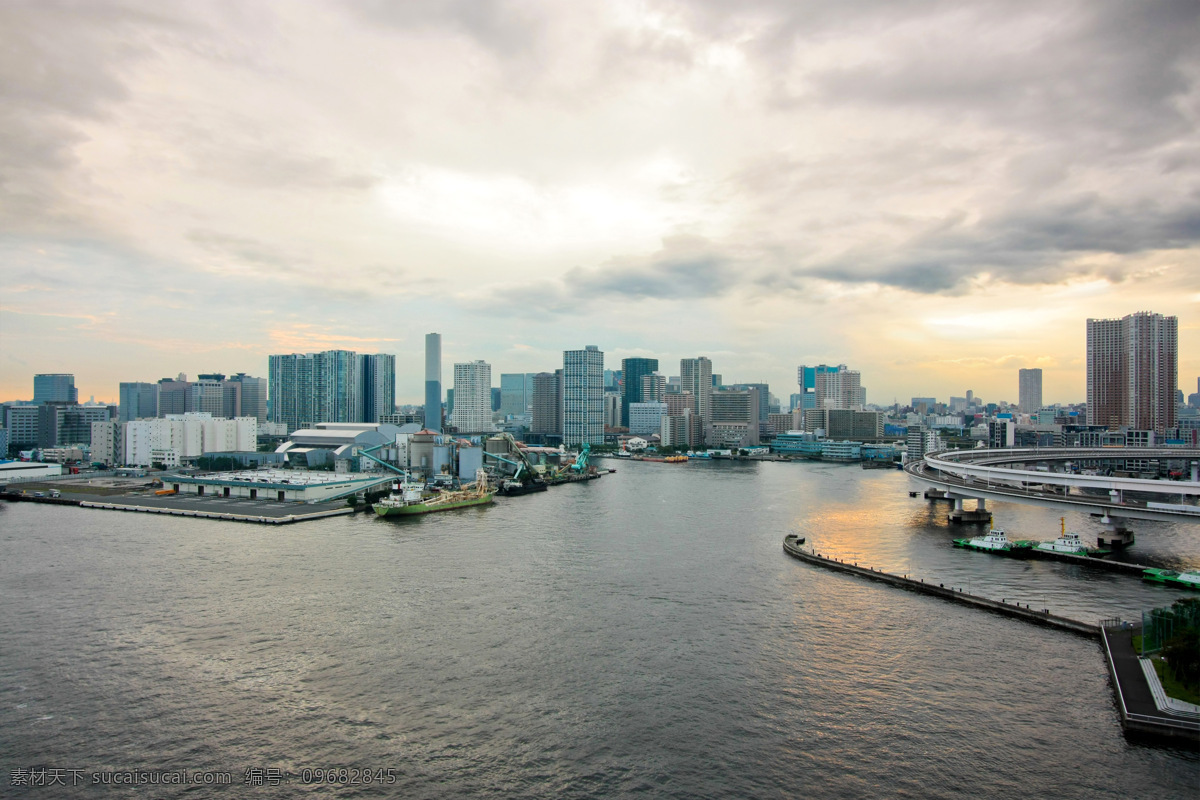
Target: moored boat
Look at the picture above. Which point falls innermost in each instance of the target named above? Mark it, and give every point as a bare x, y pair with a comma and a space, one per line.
1070, 543
410, 498
995, 542
1189, 579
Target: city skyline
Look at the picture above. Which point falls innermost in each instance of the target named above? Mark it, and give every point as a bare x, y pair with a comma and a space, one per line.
937, 195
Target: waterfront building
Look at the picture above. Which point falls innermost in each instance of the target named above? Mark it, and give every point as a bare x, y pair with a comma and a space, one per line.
314, 387
1029, 390
137, 401
695, 376
1132, 371
735, 418
546, 419
433, 382
848, 424
472, 397
55, 388
583, 396
633, 370
646, 419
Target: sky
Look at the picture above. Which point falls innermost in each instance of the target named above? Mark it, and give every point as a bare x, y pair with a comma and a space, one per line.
936, 194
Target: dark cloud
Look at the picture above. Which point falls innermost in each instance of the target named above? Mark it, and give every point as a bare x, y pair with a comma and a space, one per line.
686, 268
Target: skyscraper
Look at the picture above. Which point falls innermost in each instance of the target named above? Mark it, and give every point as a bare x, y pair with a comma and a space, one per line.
314, 387
546, 418
632, 371
695, 376
472, 397
433, 381
1132, 371
583, 396
1029, 390
377, 392
55, 387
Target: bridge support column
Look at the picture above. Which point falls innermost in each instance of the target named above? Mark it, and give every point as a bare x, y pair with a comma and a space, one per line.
937, 494
961, 515
1116, 534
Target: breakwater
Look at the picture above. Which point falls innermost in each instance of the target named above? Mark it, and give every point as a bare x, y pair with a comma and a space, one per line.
792, 547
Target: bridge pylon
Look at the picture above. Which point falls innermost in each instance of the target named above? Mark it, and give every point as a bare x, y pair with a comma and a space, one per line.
1116, 532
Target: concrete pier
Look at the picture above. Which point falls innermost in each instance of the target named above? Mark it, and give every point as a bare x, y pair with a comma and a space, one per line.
1037, 616
1140, 713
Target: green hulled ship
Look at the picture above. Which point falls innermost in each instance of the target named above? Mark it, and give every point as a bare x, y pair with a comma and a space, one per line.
1186, 580
411, 498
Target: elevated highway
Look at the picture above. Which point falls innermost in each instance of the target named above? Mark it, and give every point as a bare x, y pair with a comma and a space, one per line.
1041, 476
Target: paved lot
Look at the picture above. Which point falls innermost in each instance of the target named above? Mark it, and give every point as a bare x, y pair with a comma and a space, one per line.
215, 505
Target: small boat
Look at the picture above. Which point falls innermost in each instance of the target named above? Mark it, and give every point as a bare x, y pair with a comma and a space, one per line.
1070, 543
1189, 579
995, 542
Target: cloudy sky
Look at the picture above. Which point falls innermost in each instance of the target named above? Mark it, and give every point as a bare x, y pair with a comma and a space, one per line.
934, 193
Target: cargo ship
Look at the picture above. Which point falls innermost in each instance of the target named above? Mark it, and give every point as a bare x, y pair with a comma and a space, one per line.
411, 498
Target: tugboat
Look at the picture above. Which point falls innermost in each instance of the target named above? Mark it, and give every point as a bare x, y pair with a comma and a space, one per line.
995, 542
1070, 543
410, 498
1184, 580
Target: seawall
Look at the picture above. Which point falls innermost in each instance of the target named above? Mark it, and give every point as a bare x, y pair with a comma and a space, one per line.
1037, 616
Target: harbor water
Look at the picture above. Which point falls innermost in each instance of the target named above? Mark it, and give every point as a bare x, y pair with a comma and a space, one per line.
642, 634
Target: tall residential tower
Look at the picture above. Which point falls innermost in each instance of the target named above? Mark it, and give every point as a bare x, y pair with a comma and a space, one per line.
1132, 371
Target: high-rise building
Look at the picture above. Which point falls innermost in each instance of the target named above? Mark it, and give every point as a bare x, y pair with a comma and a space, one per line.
314, 387
433, 381
632, 372
583, 396
546, 419
472, 397
695, 376
55, 388
764, 401
654, 387
1132, 371
377, 393
138, 401
1029, 390
254, 396
516, 393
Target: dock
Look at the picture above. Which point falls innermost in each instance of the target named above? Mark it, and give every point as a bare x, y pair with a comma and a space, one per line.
230, 509
261, 519
1015, 610
1141, 712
